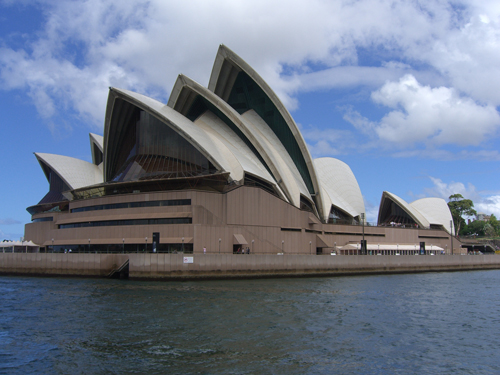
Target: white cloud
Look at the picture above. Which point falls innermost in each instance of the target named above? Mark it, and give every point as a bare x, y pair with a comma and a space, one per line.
445, 155
297, 45
434, 116
488, 204
327, 142
445, 190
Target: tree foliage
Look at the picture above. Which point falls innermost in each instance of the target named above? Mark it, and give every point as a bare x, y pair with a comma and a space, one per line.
474, 228
490, 228
460, 207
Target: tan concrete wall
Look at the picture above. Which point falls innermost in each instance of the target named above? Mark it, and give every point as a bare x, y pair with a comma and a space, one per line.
95, 265
167, 266
151, 266
249, 211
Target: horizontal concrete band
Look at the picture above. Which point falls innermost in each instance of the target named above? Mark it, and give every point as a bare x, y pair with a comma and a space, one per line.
174, 266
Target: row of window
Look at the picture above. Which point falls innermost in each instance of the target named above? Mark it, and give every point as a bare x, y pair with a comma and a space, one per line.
171, 248
337, 233
40, 219
171, 202
108, 223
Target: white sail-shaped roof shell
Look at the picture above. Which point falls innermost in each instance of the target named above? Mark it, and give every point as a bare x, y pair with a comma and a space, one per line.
436, 211
74, 172
245, 159
415, 214
221, 80
258, 133
273, 147
97, 140
208, 144
96, 144
340, 186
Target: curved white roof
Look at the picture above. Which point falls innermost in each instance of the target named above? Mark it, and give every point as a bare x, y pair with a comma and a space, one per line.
211, 147
244, 157
274, 149
75, 173
256, 131
436, 211
340, 185
413, 212
221, 81
97, 139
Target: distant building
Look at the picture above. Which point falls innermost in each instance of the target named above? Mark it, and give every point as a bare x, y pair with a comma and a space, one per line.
482, 217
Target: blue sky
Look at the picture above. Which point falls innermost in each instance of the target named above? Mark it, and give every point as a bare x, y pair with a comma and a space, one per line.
405, 92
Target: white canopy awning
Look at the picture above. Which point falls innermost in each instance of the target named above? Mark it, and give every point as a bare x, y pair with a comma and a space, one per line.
18, 243
389, 246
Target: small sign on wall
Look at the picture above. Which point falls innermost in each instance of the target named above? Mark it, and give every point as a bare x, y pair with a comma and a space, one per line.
188, 260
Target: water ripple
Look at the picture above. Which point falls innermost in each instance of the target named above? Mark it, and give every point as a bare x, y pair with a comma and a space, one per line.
396, 324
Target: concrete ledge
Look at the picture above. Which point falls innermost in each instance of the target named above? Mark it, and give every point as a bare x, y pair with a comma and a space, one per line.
210, 266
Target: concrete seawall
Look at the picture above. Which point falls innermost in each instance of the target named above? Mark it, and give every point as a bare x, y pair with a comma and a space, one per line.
179, 266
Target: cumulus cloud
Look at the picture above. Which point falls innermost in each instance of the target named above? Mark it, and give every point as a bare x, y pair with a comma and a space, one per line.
445, 190
432, 115
488, 204
85, 47
445, 155
327, 142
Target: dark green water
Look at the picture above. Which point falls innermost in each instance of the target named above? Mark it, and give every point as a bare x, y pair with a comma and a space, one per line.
431, 323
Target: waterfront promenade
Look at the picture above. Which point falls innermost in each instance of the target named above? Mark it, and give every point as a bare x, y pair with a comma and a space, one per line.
193, 266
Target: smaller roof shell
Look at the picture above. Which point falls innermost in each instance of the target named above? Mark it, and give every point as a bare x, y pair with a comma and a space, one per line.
74, 172
340, 185
96, 142
436, 211
411, 211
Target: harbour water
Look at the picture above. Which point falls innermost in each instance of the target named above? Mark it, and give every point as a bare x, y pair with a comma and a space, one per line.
390, 324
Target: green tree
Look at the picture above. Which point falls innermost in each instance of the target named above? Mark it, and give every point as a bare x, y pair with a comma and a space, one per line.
475, 228
495, 225
489, 230
460, 207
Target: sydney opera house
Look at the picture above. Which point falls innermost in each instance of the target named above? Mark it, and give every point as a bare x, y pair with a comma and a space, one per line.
222, 169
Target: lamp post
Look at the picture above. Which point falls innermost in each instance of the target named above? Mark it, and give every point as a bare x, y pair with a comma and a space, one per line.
310, 248
123, 248
53, 245
335, 247
219, 244
363, 250
451, 236
146, 239
252, 245
283, 246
